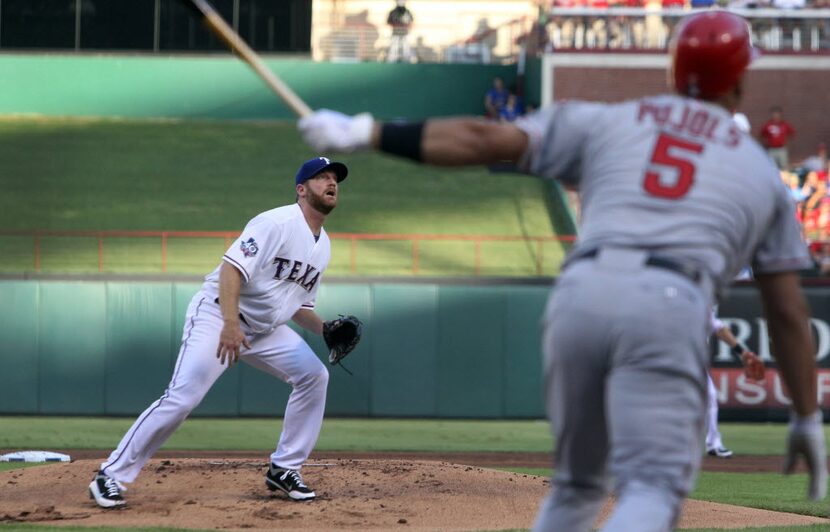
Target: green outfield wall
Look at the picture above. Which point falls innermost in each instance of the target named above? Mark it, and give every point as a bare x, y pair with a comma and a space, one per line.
449, 349
223, 87
429, 350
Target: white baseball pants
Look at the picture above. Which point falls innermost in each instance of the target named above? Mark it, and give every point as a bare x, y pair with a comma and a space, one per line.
713, 437
281, 353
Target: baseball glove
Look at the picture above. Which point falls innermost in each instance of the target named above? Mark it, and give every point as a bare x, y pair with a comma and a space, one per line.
341, 336
754, 367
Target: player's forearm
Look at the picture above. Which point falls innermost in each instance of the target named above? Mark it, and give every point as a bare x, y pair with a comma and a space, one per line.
788, 319
793, 351
438, 141
726, 335
230, 284
309, 320
451, 141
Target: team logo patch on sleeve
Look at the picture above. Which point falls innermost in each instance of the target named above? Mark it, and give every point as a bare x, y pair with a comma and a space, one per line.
249, 248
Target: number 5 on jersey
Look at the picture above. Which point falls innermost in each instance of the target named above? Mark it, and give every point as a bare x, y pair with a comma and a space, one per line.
673, 154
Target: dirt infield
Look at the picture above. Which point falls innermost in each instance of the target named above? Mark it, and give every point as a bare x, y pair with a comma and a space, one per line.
735, 464
356, 491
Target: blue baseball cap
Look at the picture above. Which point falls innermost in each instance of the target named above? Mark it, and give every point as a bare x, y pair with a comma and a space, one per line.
314, 166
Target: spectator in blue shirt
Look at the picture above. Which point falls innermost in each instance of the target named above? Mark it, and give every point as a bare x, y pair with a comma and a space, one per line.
495, 99
511, 110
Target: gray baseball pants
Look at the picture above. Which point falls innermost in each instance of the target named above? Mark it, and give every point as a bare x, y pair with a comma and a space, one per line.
625, 386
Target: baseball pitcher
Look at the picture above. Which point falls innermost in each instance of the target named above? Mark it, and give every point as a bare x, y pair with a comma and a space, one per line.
268, 276
675, 200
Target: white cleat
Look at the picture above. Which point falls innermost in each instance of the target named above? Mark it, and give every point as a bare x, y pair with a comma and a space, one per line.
288, 481
719, 452
106, 491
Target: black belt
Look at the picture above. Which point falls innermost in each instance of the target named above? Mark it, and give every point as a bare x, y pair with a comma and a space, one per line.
689, 272
241, 317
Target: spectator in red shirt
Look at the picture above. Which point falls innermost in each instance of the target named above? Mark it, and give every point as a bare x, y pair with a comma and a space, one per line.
775, 134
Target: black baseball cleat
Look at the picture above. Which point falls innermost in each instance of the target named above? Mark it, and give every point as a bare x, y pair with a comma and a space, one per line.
720, 452
289, 481
106, 491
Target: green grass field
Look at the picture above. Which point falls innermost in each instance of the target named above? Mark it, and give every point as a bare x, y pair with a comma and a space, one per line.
73, 174
256, 434
770, 491
340, 434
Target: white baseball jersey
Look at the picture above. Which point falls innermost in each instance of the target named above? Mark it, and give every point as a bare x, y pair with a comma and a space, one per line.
281, 263
715, 324
686, 183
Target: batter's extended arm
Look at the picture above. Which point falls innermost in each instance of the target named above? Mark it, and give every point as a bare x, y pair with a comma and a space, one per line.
466, 141
442, 141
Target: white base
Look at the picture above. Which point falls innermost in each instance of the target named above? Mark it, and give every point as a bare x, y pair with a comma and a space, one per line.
34, 456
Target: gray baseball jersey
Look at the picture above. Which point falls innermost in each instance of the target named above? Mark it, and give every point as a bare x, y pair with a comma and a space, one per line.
625, 343
673, 175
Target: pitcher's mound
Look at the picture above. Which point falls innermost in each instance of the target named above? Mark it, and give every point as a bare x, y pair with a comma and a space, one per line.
351, 495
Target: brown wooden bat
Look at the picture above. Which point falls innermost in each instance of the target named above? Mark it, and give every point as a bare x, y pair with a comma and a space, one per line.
218, 25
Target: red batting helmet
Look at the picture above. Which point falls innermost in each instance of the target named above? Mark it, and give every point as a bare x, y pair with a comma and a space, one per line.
710, 52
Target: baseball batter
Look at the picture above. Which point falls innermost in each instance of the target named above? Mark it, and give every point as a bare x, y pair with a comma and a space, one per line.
675, 200
269, 275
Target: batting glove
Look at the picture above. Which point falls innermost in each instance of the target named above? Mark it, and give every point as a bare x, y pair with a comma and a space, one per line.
807, 439
328, 131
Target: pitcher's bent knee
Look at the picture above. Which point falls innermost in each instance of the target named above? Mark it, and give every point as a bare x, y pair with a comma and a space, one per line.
322, 376
318, 376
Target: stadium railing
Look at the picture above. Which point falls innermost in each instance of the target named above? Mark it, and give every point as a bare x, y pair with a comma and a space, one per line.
623, 28
26, 251
37, 237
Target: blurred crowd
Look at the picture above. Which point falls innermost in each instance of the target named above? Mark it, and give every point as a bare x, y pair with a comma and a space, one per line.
639, 30
807, 183
503, 104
